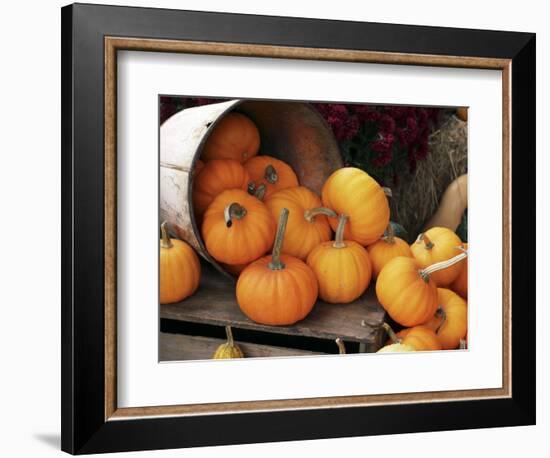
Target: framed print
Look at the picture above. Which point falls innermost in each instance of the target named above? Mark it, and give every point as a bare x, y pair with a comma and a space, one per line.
274, 221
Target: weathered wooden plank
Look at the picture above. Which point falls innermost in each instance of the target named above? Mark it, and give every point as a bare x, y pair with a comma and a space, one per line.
214, 303
179, 347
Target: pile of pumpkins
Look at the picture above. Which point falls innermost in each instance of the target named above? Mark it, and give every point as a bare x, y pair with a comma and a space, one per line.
277, 238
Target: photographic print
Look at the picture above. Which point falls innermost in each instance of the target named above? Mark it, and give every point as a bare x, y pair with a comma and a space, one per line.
292, 228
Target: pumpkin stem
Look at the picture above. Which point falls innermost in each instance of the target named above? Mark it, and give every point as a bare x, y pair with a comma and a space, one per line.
260, 191
311, 213
251, 188
229, 334
391, 334
339, 237
387, 191
276, 263
233, 211
271, 174
427, 242
390, 234
341, 346
166, 242
440, 313
425, 273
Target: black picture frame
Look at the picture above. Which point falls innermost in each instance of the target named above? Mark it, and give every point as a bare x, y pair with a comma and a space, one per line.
84, 427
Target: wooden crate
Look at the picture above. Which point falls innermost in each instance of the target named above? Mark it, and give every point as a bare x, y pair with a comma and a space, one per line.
214, 304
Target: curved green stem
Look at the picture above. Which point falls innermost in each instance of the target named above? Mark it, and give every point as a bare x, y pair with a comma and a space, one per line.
311, 213
391, 334
229, 334
339, 237
425, 273
260, 192
233, 211
276, 263
271, 175
427, 242
166, 242
440, 313
341, 346
390, 234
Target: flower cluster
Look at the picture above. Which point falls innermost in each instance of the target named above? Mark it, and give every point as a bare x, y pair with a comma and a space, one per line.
383, 140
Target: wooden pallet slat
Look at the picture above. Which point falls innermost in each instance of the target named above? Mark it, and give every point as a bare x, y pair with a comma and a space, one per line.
214, 303
179, 347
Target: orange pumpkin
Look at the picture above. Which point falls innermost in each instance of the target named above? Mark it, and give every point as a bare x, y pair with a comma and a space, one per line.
407, 291
385, 249
342, 268
307, 224
235, 137
450, 323
270, 174
352, 192
217, 176
277, 289
435, 245
421, 338
237, 228
180, 269
460, 285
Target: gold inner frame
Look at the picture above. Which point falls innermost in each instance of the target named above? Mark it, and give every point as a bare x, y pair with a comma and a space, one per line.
114, 44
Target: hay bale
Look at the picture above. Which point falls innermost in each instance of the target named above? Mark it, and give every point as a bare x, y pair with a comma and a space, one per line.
417, 196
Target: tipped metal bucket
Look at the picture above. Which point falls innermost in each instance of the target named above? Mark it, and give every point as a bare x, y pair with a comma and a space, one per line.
291, 131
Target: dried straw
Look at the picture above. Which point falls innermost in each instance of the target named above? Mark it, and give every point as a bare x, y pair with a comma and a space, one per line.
417, 196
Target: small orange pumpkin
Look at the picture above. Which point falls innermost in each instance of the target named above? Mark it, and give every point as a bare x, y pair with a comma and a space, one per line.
352, 192
342, 268
450, 323
407, 291
217, 176
385, 249
460, 285
278, 289
271, 174
235, 137
237, 228
307, 224
180, 269
435, 245
420, 337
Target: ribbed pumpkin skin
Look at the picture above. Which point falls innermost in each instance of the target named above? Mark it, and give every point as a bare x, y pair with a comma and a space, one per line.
446, 245
235, 137
180, 272
247, 239
277, 297
215, 177
407, 298
352, 192
460, 285
256, 168
301, 235
343, 273
382, 252
421, 338
455, 326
